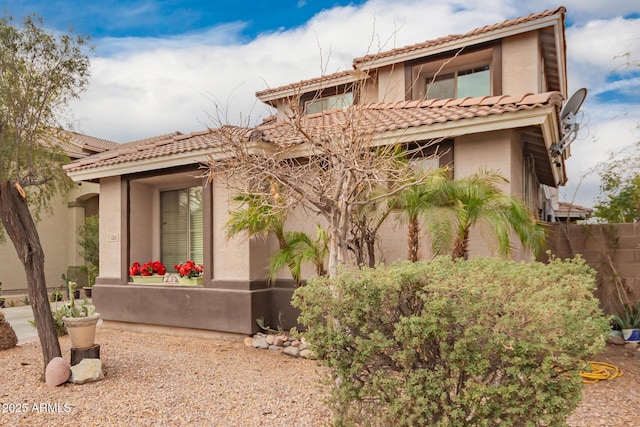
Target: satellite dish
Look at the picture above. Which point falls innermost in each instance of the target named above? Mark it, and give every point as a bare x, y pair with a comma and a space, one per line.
569, 123
573, 104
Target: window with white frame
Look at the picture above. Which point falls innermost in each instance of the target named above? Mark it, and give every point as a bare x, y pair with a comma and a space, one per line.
181, 226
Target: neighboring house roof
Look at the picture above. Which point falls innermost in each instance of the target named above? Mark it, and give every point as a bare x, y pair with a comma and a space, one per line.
567, 210
395, 122
78, 145
553, 50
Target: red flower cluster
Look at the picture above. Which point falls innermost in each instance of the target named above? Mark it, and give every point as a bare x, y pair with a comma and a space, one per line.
189, 269
147, 269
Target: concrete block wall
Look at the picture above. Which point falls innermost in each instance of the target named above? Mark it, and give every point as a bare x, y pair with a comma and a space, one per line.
613, 250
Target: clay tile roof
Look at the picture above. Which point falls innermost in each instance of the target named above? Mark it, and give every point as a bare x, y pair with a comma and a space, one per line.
77, 145
156, 147
375, 118
380, 117
575, 211
455, 37
326, 78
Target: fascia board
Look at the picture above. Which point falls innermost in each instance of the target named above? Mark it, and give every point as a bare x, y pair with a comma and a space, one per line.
145, 165
494, 35
456, 128
193, 157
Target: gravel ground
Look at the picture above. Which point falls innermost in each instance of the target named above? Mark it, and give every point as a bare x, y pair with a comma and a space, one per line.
155, 379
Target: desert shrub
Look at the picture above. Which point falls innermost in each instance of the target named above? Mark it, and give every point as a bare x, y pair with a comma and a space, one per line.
482, 342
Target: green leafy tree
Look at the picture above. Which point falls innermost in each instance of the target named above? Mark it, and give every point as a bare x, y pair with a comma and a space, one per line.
39, 74
477, 199
619, 199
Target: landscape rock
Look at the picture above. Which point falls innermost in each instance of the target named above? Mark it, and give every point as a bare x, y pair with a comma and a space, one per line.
57, 372
260, 342
282, 342
631, 346
307, 354
292, 351
8, 338
86, 371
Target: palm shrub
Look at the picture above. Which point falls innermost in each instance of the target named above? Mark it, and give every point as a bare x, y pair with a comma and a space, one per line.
450, 342
88, 238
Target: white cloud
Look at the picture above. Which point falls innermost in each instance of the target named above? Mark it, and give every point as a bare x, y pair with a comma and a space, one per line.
146, 87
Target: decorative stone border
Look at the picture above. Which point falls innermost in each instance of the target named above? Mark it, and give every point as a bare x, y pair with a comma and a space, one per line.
283, 342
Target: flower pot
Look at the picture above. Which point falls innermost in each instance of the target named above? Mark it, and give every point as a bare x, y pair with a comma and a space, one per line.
156, 278
87, 291
82, 330
631, 335
191, 281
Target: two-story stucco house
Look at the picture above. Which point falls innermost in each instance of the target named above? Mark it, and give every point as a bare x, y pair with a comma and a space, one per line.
57, 228
492, 98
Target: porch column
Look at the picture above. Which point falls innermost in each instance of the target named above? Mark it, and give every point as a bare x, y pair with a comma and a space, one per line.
113, 231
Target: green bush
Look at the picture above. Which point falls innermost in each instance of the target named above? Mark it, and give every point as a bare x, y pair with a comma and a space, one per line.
483, 342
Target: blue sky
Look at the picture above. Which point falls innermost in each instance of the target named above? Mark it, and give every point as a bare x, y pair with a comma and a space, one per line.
136, 18
163, 66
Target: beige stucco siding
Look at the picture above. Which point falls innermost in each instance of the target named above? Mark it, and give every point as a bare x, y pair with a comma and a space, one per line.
112, 227
391, 87
521, 64
231, 257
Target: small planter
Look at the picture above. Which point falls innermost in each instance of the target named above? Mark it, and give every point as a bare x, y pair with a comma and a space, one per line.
82, 330
631, 335
87, 291
156, 278
191, 281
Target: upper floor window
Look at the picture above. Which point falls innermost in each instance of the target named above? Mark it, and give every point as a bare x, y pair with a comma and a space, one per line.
456, 74
471, 82
333, 102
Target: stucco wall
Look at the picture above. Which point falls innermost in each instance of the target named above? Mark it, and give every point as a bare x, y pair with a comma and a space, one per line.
231, 257
521, 64
112, 228
391, 85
